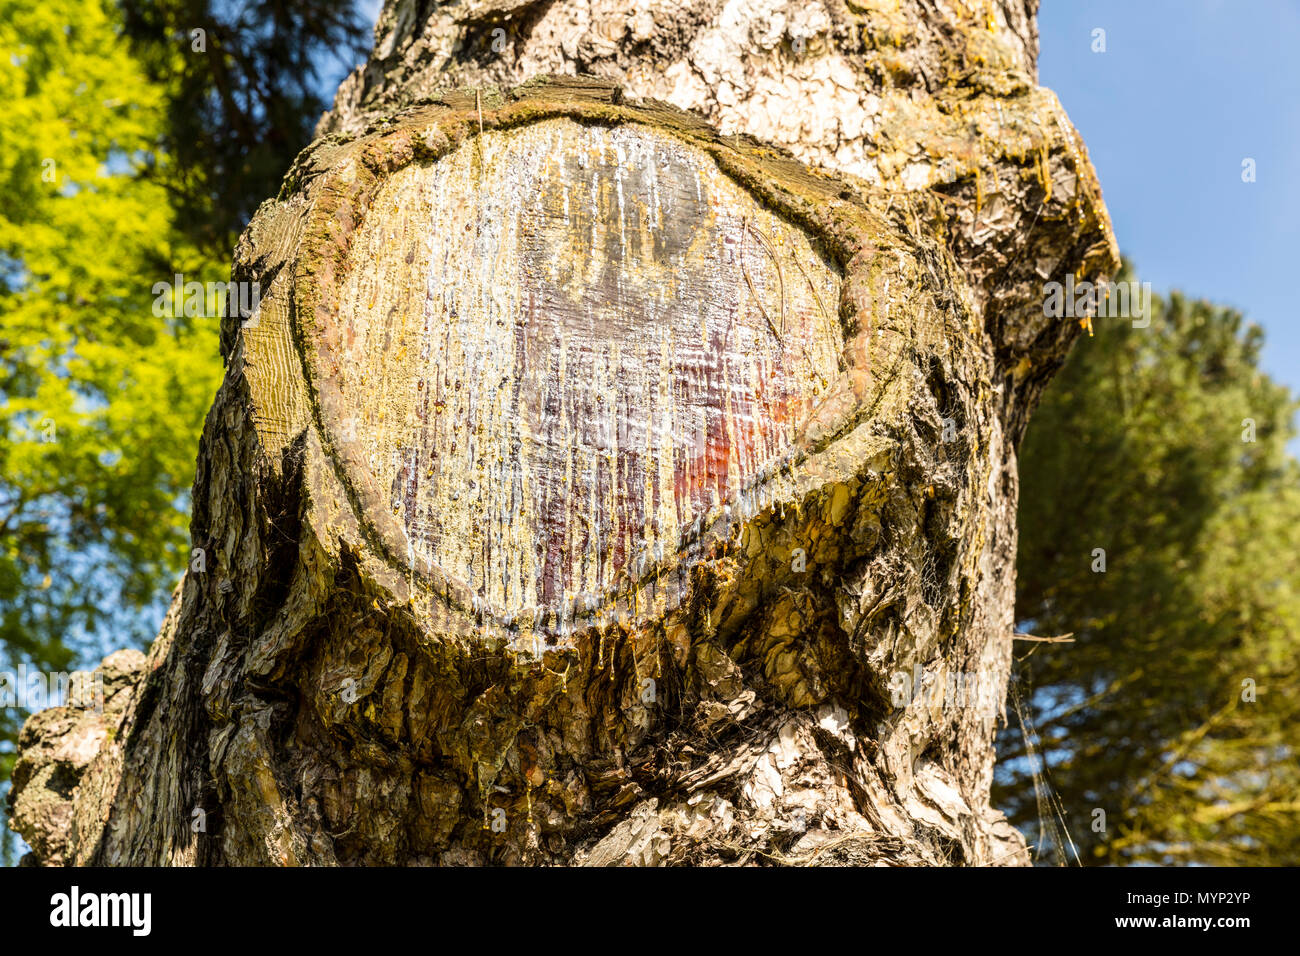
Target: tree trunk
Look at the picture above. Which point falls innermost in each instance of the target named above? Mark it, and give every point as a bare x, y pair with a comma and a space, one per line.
598, 485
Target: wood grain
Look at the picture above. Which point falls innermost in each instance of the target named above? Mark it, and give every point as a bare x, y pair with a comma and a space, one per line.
566, 348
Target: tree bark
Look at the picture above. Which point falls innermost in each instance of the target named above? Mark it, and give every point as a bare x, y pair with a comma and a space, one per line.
598, 481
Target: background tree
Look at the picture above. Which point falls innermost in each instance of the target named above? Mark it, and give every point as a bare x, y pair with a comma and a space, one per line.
1167, 448
244, 82
101, 398
126, 156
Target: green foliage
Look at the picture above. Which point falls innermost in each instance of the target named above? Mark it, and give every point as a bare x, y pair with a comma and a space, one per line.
243, 93
101, 401
130, 151
1138, 449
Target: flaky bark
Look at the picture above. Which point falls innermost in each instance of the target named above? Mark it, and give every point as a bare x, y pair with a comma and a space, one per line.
590, 476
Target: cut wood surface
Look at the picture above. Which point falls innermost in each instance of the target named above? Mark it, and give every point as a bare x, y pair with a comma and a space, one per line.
564, 350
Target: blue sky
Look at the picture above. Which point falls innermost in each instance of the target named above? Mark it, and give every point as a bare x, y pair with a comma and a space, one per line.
1184, 92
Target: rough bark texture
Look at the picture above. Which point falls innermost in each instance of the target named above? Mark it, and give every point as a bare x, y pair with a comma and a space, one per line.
593, 470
